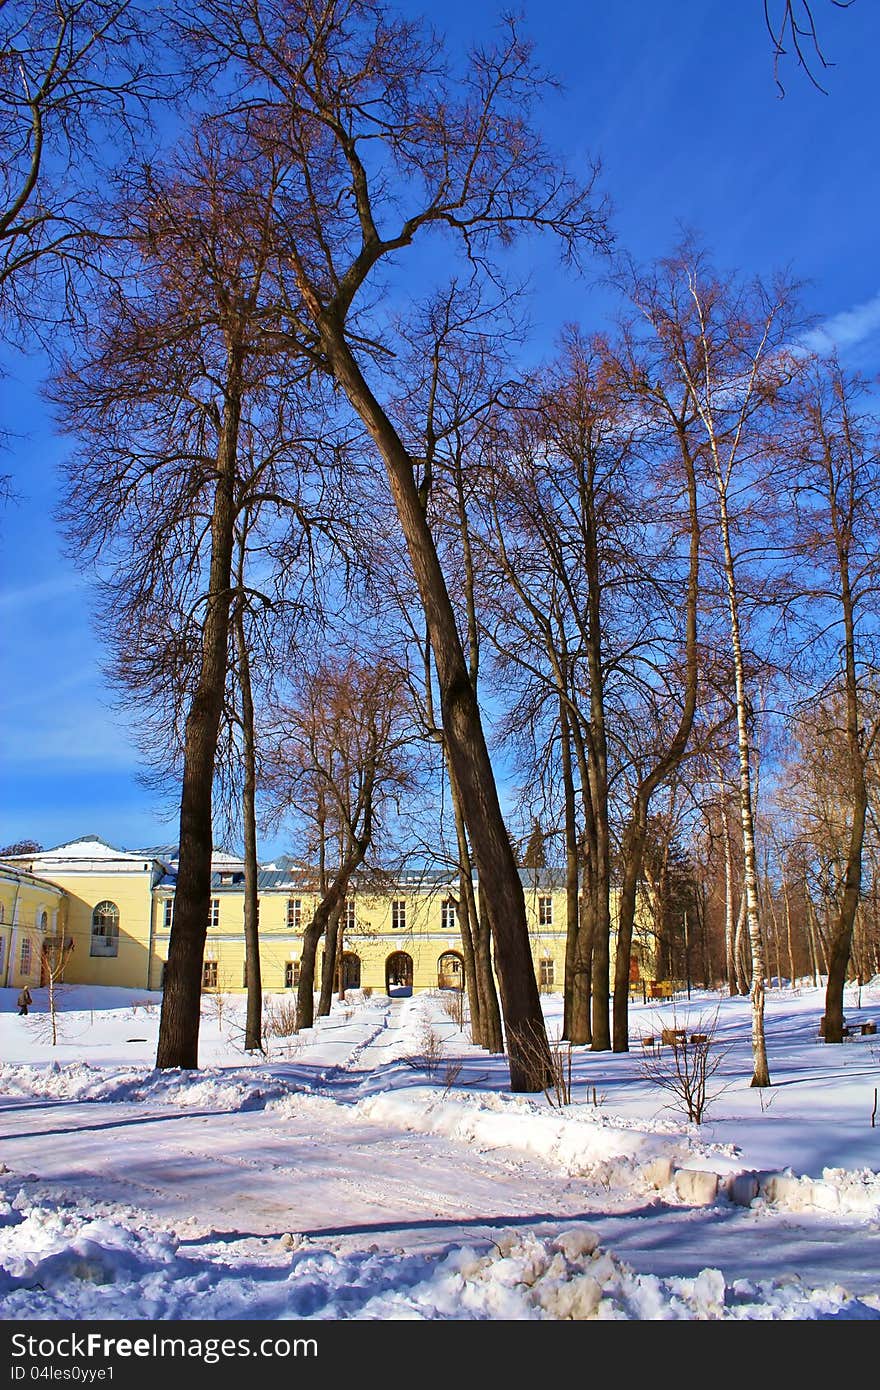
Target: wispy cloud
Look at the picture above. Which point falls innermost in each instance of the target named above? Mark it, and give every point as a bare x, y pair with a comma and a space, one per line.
43, 592
846, 330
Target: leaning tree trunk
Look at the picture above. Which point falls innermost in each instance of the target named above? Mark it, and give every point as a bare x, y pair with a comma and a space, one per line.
502, 898
476, 942
181, 1001
330, 903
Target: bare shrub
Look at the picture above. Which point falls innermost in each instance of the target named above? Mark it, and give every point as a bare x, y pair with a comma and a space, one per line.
451, 1073
148, 1006
430, 1054
556, 1082
453, 1002
279, 1018
685, 1065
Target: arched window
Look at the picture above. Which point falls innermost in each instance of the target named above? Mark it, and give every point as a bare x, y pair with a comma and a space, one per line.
105, 930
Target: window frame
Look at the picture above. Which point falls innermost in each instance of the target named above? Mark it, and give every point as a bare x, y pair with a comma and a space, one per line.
105, 933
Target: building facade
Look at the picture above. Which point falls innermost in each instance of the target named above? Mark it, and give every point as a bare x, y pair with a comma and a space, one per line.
116, 908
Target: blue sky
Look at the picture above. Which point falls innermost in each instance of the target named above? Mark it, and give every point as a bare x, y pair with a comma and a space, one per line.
679, 103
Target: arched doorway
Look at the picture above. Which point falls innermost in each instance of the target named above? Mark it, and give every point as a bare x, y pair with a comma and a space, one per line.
351, 970
450, 971
399, 975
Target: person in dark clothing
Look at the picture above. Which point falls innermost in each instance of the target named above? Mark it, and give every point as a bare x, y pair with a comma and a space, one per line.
24, 999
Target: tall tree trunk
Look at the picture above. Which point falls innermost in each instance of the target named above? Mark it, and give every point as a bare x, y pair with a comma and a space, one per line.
637, 829
730, 924
332, 968
253, 1033
841, 939
491, 1035
572, 876
469, 927
761, 1072
788, 933
178, 1044
811, 937
581, 1009
501, 893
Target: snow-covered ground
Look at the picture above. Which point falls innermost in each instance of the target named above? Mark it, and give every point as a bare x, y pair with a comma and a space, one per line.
343, 1176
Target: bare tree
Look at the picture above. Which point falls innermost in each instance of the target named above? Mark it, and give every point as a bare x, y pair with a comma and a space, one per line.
383, 144
69, 69
339, 764
176, 369
730, 344
792, 22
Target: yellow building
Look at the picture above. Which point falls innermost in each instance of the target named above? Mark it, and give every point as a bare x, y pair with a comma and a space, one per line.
117, 908
32, 923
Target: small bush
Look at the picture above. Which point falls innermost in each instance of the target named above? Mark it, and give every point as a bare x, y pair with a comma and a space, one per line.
454, 1004
430, 1054
556, 1083
279, 1018
685, 1067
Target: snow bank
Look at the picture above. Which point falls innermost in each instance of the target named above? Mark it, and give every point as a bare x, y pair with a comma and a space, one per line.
209, 1089
46, 1248
597, 1146
571, 1278
69, 1263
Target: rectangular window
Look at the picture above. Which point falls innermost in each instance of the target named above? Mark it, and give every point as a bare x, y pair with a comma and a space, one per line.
291, 974
209, 974
349, 914
545, 912
294, 914
25, 959
169, 913
398, 914
214, 918
448, 914
546, 974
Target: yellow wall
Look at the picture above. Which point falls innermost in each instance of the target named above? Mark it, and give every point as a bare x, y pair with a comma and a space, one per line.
143, 937
24, 903
373, 939
131, 892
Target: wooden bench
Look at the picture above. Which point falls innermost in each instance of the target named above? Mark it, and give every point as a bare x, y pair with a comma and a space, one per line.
867, 1028
674, 1037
